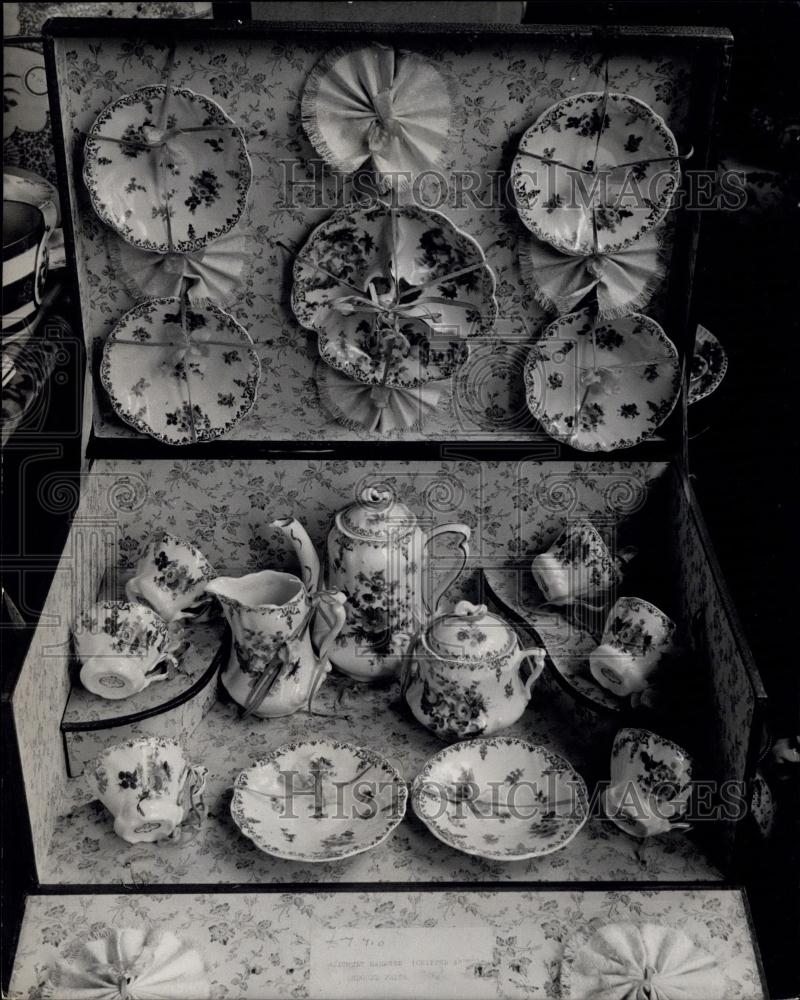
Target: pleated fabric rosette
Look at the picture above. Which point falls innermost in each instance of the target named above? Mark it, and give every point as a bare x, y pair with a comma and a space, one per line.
395, 109
639, 961
623, 282
131, 964
217, 271
394, 294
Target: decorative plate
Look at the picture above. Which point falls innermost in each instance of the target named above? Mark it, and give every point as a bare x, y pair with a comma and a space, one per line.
599, 386
168, 171
319, 801
176, 387
501, 798
709, 365
393, 293
591, 186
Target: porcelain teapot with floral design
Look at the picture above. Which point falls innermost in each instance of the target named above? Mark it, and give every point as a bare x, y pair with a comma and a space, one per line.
377, 555
463, 677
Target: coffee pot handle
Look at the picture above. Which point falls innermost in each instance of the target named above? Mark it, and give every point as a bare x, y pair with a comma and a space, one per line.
431, 601
330, 604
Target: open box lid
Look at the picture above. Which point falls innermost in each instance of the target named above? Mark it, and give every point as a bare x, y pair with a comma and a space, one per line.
507, 76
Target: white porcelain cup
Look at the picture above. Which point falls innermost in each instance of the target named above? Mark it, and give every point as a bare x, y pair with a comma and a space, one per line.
149, 788
123, 648
636, 636
578, 564
651, 783
171, 577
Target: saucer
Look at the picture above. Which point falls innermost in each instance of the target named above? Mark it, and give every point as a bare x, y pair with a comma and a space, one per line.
563, 202
600, 386
319, 801
709, 365
501, 798
393, 293
179, 393
179, 183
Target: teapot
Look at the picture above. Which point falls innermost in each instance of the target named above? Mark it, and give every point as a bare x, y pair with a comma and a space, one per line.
463, 677
376, 554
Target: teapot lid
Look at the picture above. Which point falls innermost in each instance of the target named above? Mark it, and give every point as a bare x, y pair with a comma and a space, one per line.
376, 514
470, 632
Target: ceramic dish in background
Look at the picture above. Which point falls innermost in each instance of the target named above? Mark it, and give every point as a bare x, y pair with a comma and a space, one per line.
501, 798
367, 275
600, 386
176, 391
168, 190
591, 186
709, 365
319, 801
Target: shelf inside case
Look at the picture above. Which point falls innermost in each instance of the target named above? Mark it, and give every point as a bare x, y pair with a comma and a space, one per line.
373, 717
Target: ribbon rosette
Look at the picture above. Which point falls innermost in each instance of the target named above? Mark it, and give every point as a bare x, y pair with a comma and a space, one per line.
396, 108
639, 961
131, 964
393, 293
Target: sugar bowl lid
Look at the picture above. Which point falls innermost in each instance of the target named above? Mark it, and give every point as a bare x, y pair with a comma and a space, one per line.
470, 632
376, 514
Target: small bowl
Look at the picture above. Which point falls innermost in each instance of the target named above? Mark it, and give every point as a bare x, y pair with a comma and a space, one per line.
501, 798
319, 801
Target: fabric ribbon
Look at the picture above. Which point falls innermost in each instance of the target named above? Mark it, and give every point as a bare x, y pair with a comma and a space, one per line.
623, 282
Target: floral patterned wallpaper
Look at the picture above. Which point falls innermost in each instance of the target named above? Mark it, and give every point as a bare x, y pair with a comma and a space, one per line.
272, 946
505, 83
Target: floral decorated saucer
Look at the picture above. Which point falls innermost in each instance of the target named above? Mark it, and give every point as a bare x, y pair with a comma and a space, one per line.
599, 386
319, 801
595, 172
179, 372
393, 293
167, 169
709, 365
501, 798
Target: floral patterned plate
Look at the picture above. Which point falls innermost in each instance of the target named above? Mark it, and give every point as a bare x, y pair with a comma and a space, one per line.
599, 386
168, 171
319, 801
586, 183
709, 365
393, 293
180, 388
501, 798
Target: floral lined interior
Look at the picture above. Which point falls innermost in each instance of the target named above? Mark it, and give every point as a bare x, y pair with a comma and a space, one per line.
506, 84
265, 946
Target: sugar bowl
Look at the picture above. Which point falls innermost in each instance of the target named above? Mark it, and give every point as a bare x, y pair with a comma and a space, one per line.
464, 675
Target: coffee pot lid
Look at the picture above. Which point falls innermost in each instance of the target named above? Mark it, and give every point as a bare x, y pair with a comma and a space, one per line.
376, 514
470, 632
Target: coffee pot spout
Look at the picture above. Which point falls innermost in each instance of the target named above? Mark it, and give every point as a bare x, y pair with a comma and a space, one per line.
304, 549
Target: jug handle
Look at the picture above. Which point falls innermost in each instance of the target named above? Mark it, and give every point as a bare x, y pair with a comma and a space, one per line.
431, 602
535, 669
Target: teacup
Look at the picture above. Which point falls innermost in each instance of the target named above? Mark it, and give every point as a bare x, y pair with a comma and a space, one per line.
171, 577
149, 788
651, 781
578, 564
637, 635
123, 648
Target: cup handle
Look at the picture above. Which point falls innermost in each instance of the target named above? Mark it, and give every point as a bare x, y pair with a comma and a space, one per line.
537, 654
155, 673
431, 602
